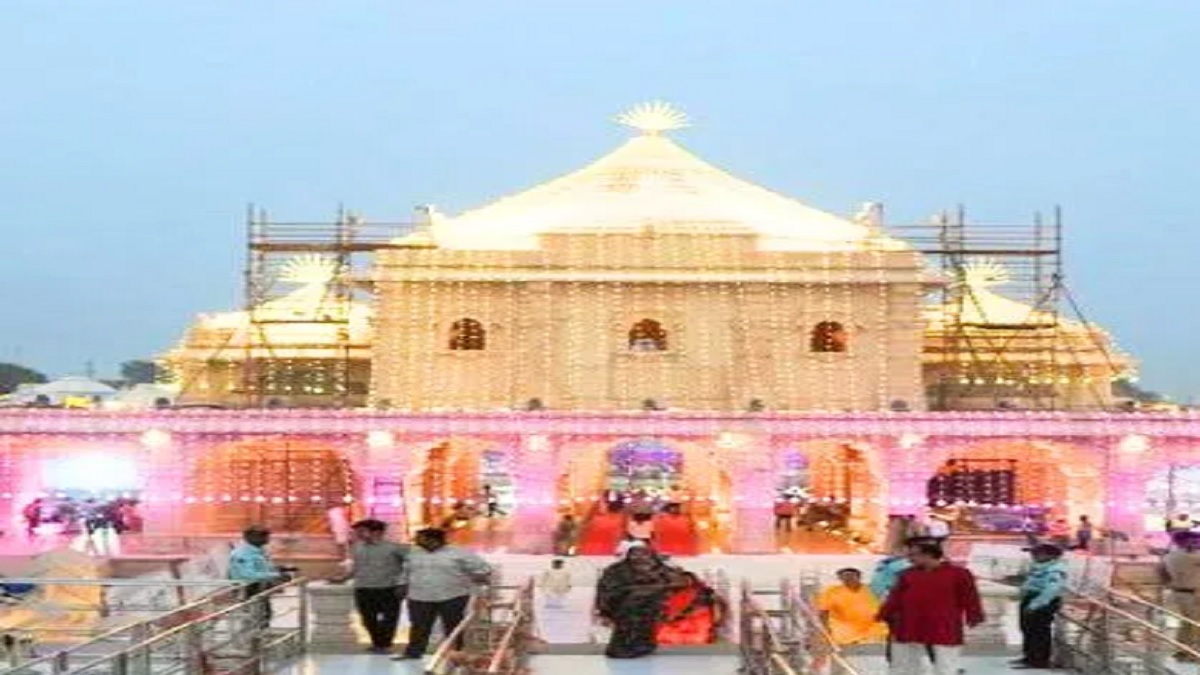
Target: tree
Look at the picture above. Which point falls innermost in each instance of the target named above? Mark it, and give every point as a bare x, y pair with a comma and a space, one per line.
13, 375
1128, 389
139, 372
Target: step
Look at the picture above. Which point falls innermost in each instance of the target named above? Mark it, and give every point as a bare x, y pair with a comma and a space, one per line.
593, 649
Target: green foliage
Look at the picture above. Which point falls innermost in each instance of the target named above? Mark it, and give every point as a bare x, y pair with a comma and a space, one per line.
13, 375
139, 372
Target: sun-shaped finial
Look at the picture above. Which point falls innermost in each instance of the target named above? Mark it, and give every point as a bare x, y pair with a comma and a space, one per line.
982, 273
654, 118
309, 269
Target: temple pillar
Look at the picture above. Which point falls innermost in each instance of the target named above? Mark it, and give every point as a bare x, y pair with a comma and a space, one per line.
535, 482
750, 460
1128, 472
908, 466
379, 473
168, 463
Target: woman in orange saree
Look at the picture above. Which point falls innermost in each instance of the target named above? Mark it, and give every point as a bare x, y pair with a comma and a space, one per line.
691, 615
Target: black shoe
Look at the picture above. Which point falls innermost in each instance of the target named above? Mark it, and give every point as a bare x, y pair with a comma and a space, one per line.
404, 656
1031, 666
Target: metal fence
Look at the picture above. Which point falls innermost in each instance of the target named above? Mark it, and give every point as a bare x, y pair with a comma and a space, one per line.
256, 635
97, 616
495, 637
1109, 632
782, 634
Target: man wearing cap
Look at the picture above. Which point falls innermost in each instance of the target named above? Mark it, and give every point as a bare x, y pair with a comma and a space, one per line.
1041, 598
1181, 569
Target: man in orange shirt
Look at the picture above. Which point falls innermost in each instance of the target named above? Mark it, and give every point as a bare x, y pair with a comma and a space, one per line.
849, 611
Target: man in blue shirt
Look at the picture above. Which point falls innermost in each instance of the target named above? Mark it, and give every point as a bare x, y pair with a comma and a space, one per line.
250, 563
1041, 597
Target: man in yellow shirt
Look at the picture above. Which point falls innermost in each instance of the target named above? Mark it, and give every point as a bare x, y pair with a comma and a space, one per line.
849, 609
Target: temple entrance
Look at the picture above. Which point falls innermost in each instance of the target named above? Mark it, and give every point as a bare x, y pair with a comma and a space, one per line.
676, 486
465, 486
285, 484
1173, 494
642, 470
1012, 487
79, 488
826, 496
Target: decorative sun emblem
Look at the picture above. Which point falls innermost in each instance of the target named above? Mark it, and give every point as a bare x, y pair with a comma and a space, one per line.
309, 269
982, 273
654, 118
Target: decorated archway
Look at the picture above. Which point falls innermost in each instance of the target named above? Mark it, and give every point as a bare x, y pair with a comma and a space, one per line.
1172, 492
285, 484
1004, 485
658, 465
836, 484
445, 474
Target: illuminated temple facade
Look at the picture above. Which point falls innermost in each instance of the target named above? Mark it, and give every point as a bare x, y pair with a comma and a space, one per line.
647, 319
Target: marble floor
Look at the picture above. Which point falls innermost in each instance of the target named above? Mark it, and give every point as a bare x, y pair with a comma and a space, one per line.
597, 665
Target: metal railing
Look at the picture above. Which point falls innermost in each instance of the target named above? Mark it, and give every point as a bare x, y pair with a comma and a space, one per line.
788, 638
1119, 634
766, 647
493, 639
26, 642
246, 637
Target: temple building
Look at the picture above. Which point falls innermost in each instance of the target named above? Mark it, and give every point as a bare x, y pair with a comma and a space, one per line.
300, 349
647, 280
646, 324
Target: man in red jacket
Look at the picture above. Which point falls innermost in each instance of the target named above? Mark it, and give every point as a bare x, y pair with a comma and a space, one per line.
926, 612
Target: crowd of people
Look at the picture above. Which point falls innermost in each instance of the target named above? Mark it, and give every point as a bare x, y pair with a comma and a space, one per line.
435, 579
72, 517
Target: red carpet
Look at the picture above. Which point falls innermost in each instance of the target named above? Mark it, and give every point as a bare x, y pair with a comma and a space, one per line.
602, 534
675, 535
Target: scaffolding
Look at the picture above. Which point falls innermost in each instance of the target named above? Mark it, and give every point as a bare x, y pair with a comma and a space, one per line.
1026, 346
329, 367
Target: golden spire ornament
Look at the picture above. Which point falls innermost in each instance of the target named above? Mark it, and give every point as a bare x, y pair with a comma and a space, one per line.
654, 118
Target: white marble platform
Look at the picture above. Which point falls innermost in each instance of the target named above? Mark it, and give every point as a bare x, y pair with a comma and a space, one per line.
598, 665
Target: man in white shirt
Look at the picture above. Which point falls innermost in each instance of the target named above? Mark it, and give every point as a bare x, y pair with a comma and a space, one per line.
441, 580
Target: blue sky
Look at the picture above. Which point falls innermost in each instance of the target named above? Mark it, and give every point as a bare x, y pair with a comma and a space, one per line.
134, 133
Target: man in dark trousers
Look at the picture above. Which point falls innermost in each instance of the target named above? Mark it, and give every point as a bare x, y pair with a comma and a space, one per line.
926, 612
378, 571
1041, 597
441, 580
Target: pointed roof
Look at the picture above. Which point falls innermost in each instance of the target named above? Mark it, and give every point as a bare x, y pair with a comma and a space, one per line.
650, 181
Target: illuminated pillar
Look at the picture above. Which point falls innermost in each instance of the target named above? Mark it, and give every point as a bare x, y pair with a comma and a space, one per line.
534, 483
379, 476
908, 465
166, 467
751, 462
1128, 471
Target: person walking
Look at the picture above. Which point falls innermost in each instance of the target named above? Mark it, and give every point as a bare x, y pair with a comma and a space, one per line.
555, 584
377, 567
1041, 598
1181, 571
1084, 534
250, 563
566, 533
926, 612
441, 580
888, 571
848, 610
785, 514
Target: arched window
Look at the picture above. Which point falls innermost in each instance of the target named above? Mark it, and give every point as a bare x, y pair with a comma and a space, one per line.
647, 335
467, 335
829, 337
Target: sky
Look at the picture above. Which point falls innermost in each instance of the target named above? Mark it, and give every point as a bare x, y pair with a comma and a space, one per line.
135, 133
